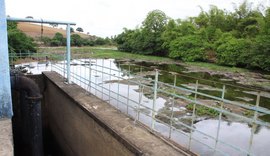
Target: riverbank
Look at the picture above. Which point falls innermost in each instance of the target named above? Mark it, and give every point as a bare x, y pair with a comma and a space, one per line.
241, 76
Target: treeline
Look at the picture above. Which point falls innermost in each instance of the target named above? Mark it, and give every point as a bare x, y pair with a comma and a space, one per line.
237, 38
75, 40
19, 42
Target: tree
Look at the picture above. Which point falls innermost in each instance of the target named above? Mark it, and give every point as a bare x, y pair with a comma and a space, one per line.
30, 17
100, 41
232, 51
18, 41
152, 29
79, 29
260, 53
54, 25
236, 38
58, 40
71, 30
76, 40
188, 48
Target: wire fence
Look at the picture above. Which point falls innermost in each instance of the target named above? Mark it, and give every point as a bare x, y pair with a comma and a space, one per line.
169, 108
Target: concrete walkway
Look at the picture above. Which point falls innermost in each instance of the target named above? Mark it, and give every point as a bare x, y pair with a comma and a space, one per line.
6, 138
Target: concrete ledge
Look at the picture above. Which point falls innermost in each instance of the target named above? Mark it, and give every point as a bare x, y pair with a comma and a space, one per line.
6, 137
100, 129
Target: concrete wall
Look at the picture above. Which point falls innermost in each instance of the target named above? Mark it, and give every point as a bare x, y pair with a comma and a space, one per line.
84, 125
6, 137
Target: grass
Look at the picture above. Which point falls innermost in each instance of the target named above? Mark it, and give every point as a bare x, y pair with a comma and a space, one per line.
202, 110
34, 30
108, 52
213, 66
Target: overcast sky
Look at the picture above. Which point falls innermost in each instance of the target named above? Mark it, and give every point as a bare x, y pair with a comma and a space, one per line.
109, 17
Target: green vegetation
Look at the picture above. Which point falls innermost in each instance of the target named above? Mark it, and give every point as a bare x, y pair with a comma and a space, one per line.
248, 113
108, 52
76, 40
216, 67
18, 41
103, 52
202, 110
240, 38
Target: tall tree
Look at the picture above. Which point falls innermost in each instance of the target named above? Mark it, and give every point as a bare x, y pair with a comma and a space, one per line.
18, 41
58, 40
79, 29
152, 29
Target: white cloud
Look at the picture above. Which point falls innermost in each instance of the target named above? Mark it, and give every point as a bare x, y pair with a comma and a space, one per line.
109, 17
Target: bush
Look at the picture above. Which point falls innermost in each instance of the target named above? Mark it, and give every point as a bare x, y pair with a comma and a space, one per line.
232, 51
187, 48
18, 41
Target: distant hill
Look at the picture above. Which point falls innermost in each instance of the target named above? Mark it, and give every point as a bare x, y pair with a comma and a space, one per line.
34, 30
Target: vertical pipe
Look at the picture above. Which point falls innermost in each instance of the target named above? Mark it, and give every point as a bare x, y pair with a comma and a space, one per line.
110, 81
85, 74
254, 124
96, 76
102, 77
64, 65
68, 53
34, 106
154, 100
220, 115
171, 117
118, 85
90, 75
128, 88
80, 76
140, 97
193, 113
5, 90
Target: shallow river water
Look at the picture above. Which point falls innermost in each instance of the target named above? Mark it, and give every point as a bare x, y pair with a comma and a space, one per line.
235, 132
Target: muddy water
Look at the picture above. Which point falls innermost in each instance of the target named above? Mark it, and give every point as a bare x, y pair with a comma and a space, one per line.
235, 132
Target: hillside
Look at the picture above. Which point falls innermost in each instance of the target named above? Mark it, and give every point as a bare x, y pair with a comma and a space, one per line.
34, 30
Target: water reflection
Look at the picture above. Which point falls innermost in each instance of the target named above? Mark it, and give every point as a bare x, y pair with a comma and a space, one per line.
108, 87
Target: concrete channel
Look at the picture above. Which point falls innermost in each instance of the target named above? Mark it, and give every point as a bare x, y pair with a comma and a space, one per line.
82, 124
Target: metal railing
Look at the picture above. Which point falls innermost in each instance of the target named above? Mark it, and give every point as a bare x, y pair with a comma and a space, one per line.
140, 96
108, 83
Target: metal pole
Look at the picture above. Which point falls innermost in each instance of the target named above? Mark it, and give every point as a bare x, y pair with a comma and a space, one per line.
128, 87
102, 77
81, 76
5, 89
110, 81
64, 66
220, 116
85, 74
254, 124
96, 76
154, 100
193, 114
36, 20
140, 98
68, 53
90, 76
171, 118
118, 89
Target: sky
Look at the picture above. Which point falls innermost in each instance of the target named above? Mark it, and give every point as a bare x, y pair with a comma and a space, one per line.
106, 18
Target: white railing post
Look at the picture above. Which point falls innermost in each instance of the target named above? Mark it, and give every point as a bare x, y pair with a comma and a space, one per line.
254, 125
68, 53
193, 114
173, 101
154, 100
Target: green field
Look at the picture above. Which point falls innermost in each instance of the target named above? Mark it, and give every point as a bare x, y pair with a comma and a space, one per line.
111, 52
